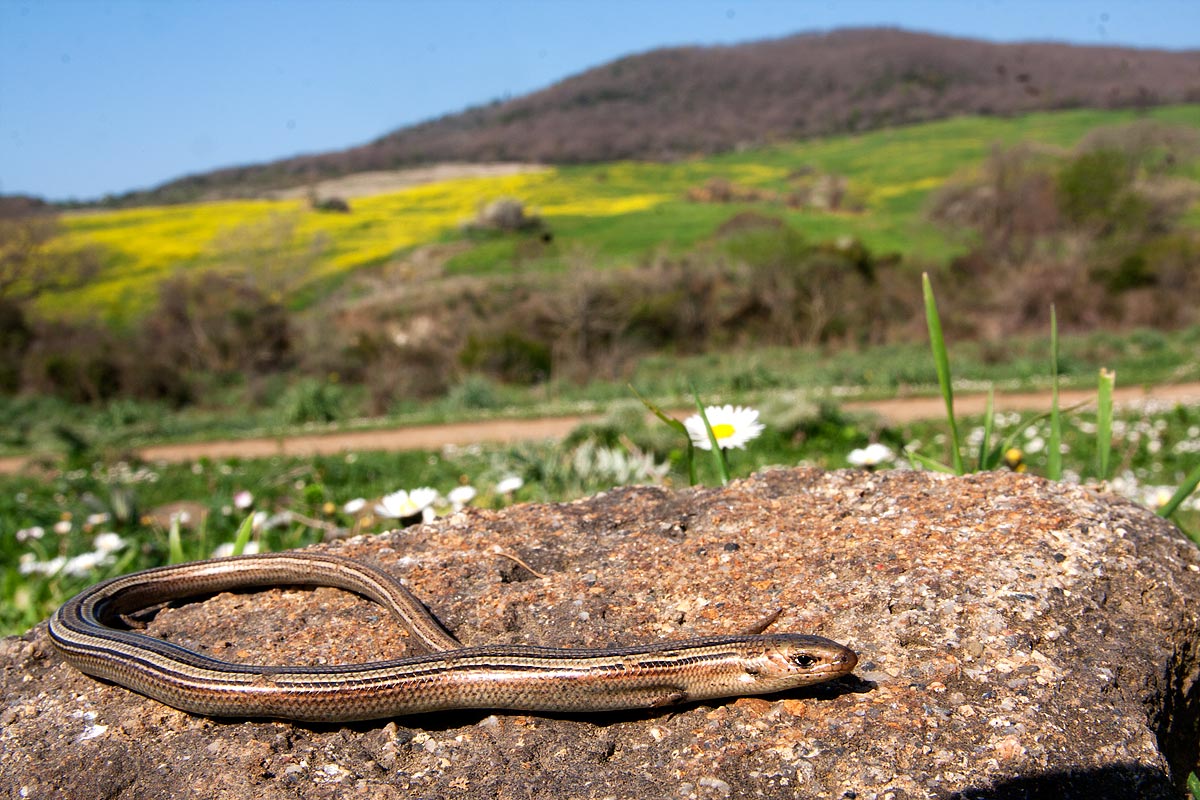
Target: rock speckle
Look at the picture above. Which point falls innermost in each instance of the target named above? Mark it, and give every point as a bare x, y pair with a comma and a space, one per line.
1017, 638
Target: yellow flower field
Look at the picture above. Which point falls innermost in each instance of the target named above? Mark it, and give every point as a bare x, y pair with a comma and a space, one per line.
145, 245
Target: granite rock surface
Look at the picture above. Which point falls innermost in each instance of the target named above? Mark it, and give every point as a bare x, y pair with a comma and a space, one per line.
1017, 639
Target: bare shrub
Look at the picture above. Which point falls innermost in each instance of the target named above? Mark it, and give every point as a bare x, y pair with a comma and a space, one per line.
1010, 204
332, 204
79, 362
1023, 298
218, 324
391, 365
1153, 145
506, 215
1168, 294
16, 335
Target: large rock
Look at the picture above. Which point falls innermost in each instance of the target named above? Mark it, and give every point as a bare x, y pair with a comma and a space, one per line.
1017, 638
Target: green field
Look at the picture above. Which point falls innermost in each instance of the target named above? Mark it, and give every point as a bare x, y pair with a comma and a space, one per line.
611, 213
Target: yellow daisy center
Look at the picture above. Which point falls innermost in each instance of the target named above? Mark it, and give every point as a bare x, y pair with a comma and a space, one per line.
723, 430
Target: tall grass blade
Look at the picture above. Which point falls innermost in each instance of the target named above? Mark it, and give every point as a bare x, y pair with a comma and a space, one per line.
671, 422
1054, 457
174, 543
941, 360
243, 535
1104, 420
718, 455
919, 460
1185, 489
658, 412
984, 460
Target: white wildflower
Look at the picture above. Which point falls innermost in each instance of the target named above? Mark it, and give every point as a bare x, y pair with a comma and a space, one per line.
33, 532
460, 496
871, 456
84, 564
402, 504
509, 485
108, 542
731, 426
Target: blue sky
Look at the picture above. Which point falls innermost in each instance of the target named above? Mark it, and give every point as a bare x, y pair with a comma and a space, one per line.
103, 96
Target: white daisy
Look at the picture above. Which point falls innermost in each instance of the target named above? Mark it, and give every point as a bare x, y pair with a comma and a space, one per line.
401, 504
83, 564
870, 456
459, 496
354, 506
35, 532
509, 485
108, 542
732, 426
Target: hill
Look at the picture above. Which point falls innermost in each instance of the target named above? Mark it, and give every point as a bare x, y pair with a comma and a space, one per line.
618, 213
684, 101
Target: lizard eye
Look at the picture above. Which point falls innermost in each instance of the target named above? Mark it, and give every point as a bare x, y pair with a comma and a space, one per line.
803, 660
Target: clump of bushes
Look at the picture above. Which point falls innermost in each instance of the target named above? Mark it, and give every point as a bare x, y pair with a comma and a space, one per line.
204, 327
1096, 232
506, 215
335, 205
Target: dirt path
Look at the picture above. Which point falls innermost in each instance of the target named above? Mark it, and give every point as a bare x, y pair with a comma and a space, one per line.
896, 411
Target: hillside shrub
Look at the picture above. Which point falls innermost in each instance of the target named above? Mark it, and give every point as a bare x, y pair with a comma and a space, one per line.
79, 362
508, 355
219, 324
1094, 186
1096, 233
15, 338
311, 400
505, 215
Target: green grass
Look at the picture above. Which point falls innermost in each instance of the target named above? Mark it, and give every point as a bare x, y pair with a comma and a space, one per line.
614, 213
37, 424
1153, 450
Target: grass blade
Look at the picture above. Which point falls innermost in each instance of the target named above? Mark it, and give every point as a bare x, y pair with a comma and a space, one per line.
985, 445
1054, 457
243, 535
941, 360
1186, 488
1104, 420
718, 454
658, 412
671, 422
174, 542
919, 460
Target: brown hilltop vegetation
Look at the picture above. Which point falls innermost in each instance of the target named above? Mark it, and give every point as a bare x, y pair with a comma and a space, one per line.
681, 101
